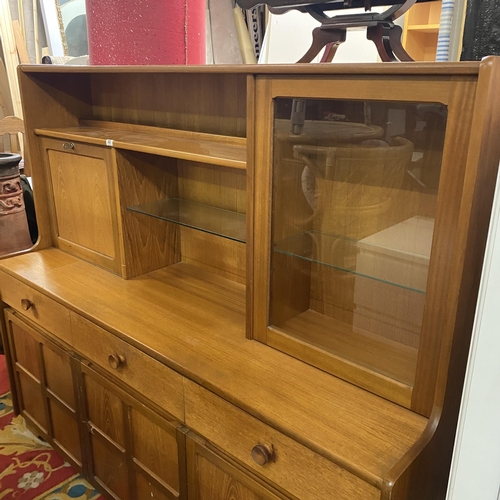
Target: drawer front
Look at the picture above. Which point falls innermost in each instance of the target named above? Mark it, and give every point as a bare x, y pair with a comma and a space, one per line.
152, 379
290, 465
36, 306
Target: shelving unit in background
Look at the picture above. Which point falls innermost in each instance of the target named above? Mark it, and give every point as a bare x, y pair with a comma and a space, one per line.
421, 30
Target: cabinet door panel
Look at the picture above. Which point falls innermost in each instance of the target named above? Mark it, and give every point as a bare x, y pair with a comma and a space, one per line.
147, 489
155, 448
84, 216
32, 400
105, 411
27, 351
211, 477
136, 453
58, 376
65, 429
110, 466
45, 386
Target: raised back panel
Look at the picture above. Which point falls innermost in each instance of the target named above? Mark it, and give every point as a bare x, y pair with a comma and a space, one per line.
211, 103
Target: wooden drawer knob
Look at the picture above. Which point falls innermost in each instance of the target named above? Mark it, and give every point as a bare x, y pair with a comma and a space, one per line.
262, 454
116, 361
26, 304
67, 146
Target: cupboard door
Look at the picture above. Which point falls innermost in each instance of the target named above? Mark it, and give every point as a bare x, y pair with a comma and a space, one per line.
84, 213
134, 453
211, 477
354, 183
45, 387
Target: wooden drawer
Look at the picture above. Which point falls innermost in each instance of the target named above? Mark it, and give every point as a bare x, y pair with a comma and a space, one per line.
36, 306
294, 468
151, 378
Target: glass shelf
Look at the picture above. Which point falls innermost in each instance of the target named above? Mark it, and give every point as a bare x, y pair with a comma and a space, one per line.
367, 258
225, 223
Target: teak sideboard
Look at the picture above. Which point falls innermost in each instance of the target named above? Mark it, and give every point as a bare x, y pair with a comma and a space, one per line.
252, 282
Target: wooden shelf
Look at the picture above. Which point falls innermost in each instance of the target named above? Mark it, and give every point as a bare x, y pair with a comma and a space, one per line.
213, 220
425, 28
225, 151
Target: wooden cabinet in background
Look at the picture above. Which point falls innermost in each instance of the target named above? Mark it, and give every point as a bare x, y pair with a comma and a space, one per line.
421, 30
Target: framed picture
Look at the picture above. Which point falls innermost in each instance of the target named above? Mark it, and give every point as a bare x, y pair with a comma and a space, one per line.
65, 26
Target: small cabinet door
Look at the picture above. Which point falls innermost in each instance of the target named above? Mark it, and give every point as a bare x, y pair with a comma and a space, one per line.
212, 477
83, 209
44, 386
133, 452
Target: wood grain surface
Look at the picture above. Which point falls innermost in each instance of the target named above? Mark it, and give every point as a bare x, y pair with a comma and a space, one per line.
193, 321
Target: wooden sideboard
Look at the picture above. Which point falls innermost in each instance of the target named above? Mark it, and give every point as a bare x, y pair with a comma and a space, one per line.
195, 323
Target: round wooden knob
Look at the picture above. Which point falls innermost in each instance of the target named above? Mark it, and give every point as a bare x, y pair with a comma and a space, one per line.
68, 145
116, 361
26, 304
262, 454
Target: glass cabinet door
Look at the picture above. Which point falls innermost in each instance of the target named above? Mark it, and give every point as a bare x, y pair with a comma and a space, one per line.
353, 197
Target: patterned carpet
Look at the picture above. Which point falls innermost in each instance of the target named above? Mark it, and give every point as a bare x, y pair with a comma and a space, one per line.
29, 468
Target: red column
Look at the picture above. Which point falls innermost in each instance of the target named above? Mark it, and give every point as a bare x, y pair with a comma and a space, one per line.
146, 31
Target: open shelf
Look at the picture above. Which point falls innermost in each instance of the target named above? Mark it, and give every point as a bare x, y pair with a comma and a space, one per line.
368, 258
226, 151
225, 223
426, 28
386, 357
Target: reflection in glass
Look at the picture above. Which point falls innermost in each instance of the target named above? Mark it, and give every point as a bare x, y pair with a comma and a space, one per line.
355, 187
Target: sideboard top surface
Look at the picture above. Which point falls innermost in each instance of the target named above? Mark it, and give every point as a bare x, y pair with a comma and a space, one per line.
451, 69
165, 316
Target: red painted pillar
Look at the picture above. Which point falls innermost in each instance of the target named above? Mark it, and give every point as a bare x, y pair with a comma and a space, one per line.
146, 31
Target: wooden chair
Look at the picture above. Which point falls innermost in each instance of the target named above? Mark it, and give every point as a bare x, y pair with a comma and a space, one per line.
12, 138
381, 29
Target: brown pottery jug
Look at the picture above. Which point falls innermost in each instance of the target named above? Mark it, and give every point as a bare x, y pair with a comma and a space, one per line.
14, 232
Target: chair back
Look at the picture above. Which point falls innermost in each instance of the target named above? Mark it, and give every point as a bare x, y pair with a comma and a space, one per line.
12, 137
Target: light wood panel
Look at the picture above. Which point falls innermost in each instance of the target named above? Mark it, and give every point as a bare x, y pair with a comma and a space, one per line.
220, 256
209, 103
10, 55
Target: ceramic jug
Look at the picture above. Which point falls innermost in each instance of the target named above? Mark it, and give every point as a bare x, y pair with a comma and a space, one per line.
14, 232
